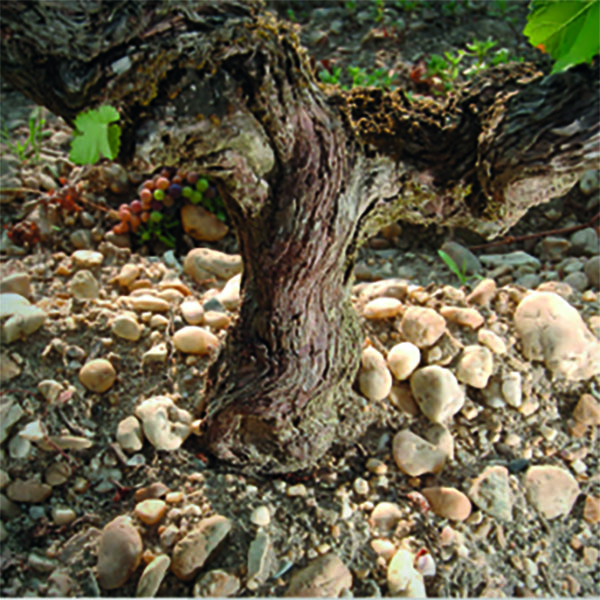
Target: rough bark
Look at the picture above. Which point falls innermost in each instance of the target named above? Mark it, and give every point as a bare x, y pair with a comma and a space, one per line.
306, 173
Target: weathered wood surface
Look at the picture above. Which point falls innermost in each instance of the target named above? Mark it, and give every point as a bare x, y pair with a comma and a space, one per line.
306, 171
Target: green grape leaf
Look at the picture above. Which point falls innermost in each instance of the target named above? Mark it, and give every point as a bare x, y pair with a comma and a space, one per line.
95, 136
566, 29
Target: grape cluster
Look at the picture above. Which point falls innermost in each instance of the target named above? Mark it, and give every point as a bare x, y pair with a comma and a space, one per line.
165, 190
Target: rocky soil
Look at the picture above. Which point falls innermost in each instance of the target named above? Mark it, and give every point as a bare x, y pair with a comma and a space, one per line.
479, 477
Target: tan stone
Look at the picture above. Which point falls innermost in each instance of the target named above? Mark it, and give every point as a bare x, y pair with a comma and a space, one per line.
403, 359
324, 577
422, 326
382, 308
490, 491
552, 490
466, 317
150, 511
28, 491
587, 410
195, 340
97, 375
191, 552
414, 455
119, 553
591, 509
448, 502
201, 224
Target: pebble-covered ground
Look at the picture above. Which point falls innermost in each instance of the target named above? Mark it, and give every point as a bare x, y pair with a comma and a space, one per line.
479, 477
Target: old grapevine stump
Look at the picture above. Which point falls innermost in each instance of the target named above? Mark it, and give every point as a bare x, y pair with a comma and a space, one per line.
307, 173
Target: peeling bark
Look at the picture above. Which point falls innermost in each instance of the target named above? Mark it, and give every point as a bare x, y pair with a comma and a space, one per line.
307, 172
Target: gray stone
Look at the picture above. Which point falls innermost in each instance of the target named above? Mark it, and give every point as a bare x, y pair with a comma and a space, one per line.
553, 248
261, 560
16, 283
586, 242
578, 281
414, 456
592, 270
491, 492
152, 577
512, 259
20, 317
84, 286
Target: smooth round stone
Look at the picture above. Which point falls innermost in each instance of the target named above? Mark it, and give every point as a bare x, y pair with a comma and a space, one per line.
437, 392
165, 425
158, 322
385, 517
483, 293
578, 281
195, 340
552, 490
551, 330
148, 302
119, 554
261, 516
592, 271
128, 274
494, 342
403, 359
152, 576
192, 312
87, 259
374, 379
126, 327
84, 286
28, 491
216, 584
384, 548
204, 263
587, 410
129, 434
402, 578
63, 516
466, 317
422, 326
16, 283
201, 224
216, 320
414, 456
511, 389
150, 511
229, 296
97, 375
324, 577
448, 502
475, 366
382, 308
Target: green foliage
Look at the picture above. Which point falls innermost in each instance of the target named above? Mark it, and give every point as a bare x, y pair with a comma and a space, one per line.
33, 143
95, 136
360, 77
568, 30
158, 227
451, 264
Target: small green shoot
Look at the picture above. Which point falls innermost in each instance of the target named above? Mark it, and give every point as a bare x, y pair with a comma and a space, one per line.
451, 264
96, 136
158, 228
33, 143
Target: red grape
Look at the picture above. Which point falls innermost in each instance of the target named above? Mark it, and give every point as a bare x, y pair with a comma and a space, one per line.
168, 200
144, 216
192, 177
145, 195
136, 206
162, 183
149, 184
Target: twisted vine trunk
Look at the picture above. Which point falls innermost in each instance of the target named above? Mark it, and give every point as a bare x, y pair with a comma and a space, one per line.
306, 173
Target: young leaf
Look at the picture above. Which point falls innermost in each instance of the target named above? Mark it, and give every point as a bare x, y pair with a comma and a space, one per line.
566, 29
95, 136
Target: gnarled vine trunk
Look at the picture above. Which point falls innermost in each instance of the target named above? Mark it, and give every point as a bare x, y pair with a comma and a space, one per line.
306, 172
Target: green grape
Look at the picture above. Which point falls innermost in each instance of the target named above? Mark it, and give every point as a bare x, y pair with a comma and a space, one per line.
159, 195
187, 192
196, 197
202, 184
155, 216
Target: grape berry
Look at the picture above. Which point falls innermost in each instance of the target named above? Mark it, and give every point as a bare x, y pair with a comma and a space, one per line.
167, 189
